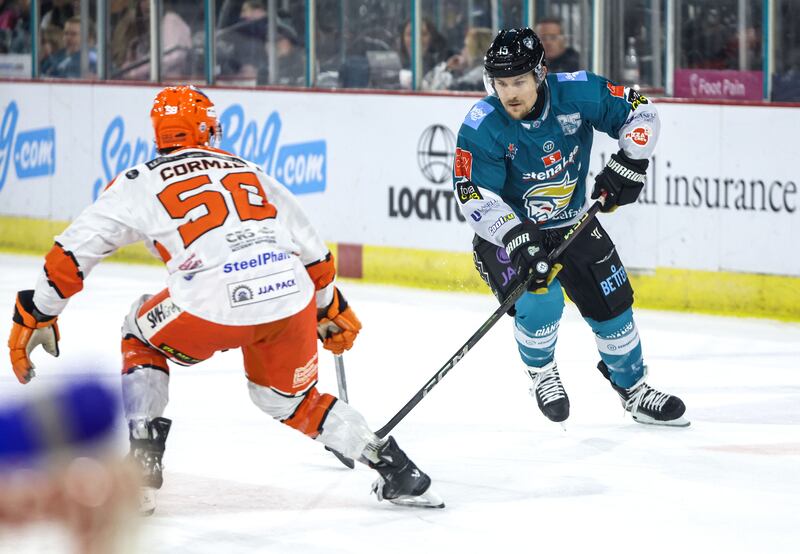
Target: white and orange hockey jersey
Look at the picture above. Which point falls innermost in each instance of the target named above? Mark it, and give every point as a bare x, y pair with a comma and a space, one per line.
237, 245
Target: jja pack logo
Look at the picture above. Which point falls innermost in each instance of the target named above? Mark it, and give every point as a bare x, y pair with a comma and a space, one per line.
301, 166
33, 151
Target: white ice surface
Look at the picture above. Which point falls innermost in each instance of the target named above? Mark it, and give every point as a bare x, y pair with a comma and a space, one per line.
238, 482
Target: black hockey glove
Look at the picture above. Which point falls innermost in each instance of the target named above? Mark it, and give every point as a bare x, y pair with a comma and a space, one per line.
622, 179
525, 248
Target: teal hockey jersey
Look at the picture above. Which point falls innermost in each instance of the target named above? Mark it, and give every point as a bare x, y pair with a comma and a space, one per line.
507, 169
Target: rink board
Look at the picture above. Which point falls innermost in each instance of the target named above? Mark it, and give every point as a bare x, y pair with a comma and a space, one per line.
723, 293
710, 232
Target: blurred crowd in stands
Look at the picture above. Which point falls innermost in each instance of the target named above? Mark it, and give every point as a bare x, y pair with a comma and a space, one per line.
364, 43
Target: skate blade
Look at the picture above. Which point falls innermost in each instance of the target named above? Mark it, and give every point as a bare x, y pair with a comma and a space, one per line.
679, 422
147, 501
428, 499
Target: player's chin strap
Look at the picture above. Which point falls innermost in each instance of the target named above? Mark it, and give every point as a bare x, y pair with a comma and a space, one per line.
512, 298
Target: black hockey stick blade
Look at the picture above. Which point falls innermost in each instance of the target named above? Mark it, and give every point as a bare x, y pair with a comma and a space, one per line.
342, 458
515, 295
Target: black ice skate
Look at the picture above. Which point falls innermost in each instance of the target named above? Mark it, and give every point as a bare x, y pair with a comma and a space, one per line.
148, 441
549, 392
648, 405
401, 481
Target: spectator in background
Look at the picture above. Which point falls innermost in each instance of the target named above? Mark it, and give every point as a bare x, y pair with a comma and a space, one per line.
240, 46
752, 50
786, 84
10, 12
463, 71
130, 43
60, 12
66, 62
290, 61
434, 49
51, 38
15, 24
703, 41
21, 38
560, 57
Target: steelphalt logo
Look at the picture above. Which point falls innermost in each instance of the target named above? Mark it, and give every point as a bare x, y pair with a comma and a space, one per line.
435, 154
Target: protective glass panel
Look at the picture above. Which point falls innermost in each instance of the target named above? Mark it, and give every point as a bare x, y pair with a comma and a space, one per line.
359, 44
454, 37
635, 43
129, 40
67, 45
719, 50
182, 40
512, 14
15, 39
720, 34
565, 28
786, 72
252, 51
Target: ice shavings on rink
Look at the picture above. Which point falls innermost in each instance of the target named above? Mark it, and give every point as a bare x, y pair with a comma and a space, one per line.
238, 482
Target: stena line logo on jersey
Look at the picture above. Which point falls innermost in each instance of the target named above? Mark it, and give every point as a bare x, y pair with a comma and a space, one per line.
301, 166
33, 151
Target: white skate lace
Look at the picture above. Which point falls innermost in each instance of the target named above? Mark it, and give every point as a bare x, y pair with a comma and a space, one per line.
646, 398
548, 385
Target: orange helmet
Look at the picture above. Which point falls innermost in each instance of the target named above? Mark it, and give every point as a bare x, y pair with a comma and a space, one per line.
184, 116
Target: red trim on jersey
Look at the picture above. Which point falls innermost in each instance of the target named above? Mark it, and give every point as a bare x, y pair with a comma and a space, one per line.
162, 251
322, 272
63, 272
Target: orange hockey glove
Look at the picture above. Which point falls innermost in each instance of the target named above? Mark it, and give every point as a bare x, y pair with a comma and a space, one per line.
30, 329
337, 325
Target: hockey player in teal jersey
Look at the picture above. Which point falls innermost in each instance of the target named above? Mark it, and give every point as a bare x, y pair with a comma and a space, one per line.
520, 171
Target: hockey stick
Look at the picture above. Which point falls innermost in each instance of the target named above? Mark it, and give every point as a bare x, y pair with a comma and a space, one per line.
339, 362
515, 295
340, 379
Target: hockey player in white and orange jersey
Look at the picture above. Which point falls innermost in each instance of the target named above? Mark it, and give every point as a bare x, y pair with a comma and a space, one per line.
246, 270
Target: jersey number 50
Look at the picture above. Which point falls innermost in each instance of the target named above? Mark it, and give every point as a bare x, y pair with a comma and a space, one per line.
248, 199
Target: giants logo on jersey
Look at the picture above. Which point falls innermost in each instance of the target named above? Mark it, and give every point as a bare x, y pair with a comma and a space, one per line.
546, 200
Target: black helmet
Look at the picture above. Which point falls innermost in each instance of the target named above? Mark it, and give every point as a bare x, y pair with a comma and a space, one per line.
515, 52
